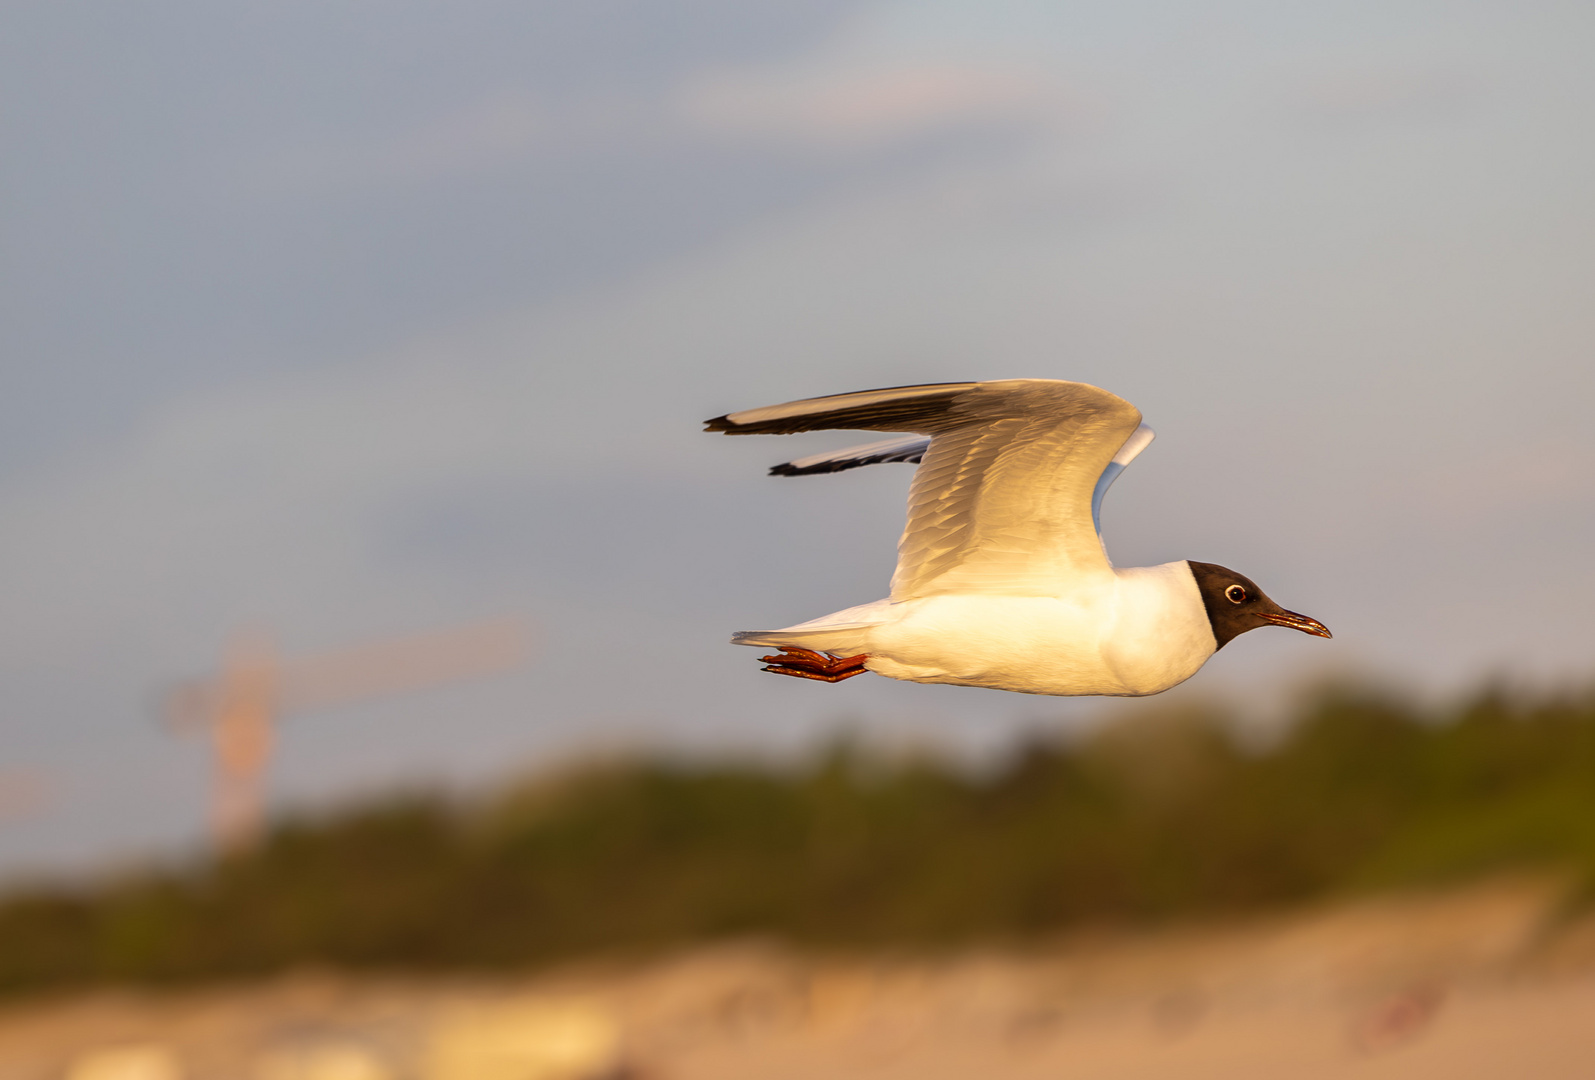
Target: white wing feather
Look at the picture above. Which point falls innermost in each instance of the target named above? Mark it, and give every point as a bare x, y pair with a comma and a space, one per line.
1006, 498
1138, 441
1002, 502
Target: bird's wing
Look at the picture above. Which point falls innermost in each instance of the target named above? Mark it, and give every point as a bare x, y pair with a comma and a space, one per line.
1002, 501
1139, 440
912, 449
923, 408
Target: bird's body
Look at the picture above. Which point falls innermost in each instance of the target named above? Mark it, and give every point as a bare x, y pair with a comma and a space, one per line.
1137, 631
1002, 580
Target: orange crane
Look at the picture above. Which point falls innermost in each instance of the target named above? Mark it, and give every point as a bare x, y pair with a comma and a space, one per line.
240, 708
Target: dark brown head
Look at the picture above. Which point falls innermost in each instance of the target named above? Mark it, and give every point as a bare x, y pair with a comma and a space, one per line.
1235, 605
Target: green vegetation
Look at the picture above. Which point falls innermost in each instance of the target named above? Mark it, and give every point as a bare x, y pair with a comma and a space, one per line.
1157, 819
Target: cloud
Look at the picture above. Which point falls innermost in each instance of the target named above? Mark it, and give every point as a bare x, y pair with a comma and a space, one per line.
813, 107
830, 108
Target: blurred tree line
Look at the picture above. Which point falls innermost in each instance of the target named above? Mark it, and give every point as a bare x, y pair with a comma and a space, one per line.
1159, 818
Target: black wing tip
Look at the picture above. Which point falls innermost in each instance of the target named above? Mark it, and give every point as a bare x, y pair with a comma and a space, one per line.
876, 416
786, 468
840, 464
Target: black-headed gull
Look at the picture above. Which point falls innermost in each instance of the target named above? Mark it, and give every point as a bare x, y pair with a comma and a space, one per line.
1002, 580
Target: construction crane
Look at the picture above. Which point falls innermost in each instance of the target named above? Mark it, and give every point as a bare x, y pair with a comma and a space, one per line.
241, 707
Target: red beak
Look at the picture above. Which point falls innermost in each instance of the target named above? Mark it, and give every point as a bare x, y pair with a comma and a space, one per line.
1297, 622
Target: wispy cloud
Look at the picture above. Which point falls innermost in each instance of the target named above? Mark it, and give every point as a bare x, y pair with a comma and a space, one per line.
806, 109
835, 108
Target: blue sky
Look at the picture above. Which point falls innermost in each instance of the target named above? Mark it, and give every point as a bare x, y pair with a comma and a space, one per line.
352, 320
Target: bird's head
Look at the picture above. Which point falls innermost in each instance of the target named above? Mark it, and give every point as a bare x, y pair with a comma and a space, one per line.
1235, 605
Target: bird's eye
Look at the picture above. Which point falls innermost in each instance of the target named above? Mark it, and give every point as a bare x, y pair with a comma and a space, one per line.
1236, 594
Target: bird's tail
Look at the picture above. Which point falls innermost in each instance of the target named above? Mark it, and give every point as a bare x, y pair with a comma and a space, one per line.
849, 640
844, 632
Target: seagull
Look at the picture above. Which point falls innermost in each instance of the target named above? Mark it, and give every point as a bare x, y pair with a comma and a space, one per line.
1002, 579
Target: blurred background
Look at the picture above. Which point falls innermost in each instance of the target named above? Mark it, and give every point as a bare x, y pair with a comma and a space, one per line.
339, 332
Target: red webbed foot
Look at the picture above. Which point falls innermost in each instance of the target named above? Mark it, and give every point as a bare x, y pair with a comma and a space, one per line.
807, 664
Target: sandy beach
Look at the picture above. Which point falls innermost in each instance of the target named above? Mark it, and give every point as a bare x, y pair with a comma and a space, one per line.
1488, 982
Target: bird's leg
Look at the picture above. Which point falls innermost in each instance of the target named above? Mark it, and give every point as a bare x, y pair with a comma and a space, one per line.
807, 664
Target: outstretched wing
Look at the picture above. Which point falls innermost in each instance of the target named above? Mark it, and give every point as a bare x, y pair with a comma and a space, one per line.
1139, 440
911, 449
1002, 501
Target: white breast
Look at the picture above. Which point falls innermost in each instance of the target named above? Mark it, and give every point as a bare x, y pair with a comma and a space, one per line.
1163, 635
1138, 631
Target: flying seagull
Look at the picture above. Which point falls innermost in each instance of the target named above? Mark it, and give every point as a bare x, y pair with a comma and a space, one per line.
1002, 580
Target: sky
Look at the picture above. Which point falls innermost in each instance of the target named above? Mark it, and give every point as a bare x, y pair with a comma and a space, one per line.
349, 320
